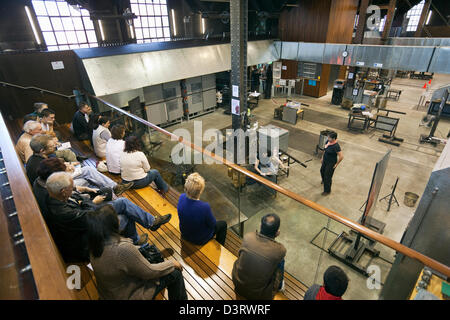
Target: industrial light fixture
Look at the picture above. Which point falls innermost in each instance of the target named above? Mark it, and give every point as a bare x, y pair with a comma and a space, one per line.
173, 23
30, 18
131, 31
203, 25
429, 16
101, 29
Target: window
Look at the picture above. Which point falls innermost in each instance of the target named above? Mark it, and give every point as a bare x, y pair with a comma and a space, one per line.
414, 16
63, 26
152, 23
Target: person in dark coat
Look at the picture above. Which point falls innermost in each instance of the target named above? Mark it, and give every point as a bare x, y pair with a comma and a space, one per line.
335, 283
331, 158
80, 122
268, 84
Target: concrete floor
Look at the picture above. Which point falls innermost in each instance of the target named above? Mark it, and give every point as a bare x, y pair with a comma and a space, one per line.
411, 162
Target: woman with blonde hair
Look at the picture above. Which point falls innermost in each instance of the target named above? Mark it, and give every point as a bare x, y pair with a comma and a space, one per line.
197, 222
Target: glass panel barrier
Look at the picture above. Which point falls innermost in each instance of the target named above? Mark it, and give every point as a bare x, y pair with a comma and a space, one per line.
317, 237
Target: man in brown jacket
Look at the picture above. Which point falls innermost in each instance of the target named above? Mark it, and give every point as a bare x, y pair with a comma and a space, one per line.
258, 271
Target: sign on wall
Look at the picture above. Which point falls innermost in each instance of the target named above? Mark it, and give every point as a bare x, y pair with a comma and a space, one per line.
57, 65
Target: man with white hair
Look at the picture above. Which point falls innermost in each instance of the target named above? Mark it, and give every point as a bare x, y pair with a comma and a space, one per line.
43, 146
23, 147
68, 224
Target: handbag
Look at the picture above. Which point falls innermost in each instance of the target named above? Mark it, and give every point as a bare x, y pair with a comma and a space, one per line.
151, 253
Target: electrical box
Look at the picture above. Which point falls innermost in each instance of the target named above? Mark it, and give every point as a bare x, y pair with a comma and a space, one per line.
209, 81
156, 113
209, 99
171, 90
174, 109
153, 94
194, 85
195, 102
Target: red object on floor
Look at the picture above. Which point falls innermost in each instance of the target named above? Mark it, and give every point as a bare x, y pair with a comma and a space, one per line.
424, 86
429, 82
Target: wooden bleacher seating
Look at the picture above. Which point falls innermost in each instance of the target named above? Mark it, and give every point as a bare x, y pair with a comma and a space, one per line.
206, 269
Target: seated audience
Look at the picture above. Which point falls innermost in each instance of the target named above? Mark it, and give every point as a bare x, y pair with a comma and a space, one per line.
121, 271
38, 108
335, 283
46, 168
259, 269
197, 223
67, 217
23, 147
114, 148
44, 147
100, 137
80, 122
134, 167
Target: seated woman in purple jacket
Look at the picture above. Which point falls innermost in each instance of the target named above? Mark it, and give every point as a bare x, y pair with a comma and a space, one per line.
197, 223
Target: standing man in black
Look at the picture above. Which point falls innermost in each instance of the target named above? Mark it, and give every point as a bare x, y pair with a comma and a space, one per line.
331, 158
268, 83
80, 122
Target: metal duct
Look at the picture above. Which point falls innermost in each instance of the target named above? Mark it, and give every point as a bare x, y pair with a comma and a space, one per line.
408, 58
427, 42
118, 73
441, 60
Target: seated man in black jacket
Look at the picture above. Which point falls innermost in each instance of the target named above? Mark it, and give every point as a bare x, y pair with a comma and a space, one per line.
80, 122
66, 217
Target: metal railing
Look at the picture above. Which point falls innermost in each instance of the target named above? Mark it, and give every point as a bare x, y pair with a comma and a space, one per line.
296, 197
7, 84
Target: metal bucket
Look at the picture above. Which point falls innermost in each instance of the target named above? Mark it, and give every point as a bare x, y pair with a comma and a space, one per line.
410, 199
323, 139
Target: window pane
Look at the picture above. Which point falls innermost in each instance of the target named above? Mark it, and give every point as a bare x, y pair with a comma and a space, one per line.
142, 10
57, 24
74, 46
81, 36
139, 33
75, 11
39, 8
167, 39
166, 32
88, 23
78, 23
67, 23
84, 13
159, 32
144, 21
51, 8
137, 22
44, 23
135, 9
151, 22
93, 45
49, 38
162, 1
91, 36
63, 47
153, 33
52, 48
150, 10
140, 41
61, 37
165, 21
85, 45
164, 10
157, 10
63, 9
145, 32
158, 22
71, 37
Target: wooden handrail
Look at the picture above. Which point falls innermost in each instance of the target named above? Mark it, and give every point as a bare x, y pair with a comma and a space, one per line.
46, 263
436, 265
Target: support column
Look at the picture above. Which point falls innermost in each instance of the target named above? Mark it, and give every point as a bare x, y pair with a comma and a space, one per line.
359, 34
239, 36
423, 18
389, 19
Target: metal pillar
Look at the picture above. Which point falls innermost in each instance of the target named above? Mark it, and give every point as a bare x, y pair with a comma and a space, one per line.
239, 36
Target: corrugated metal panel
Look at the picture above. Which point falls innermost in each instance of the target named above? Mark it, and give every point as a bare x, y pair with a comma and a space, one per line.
441, 61
289, 50
333, 53
113, 74
311, 52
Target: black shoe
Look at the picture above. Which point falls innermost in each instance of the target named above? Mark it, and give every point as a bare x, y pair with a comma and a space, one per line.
159, 221
325, 193
82, 158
